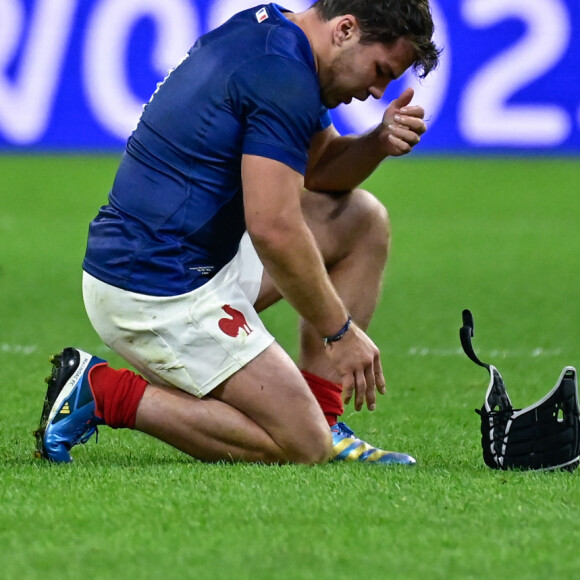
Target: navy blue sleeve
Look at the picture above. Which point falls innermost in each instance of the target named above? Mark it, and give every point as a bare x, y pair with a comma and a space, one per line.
279, 100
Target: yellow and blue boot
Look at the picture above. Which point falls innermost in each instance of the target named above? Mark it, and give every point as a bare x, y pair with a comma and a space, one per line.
346, 446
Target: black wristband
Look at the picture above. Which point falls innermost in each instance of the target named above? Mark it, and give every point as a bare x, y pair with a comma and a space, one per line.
336, 337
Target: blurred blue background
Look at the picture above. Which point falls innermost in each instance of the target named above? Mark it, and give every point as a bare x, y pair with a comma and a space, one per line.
74, 74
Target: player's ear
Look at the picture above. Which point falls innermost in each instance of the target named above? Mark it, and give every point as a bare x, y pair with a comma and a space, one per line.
345, 29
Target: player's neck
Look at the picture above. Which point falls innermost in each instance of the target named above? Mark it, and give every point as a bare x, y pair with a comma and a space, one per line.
309, 23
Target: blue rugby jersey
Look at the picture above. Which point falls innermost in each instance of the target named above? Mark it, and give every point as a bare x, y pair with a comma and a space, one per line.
175, 213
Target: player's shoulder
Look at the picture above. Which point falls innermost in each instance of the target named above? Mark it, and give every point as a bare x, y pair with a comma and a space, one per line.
286, 38
268, 25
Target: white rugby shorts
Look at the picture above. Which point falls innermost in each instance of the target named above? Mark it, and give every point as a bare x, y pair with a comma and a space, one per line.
192, 341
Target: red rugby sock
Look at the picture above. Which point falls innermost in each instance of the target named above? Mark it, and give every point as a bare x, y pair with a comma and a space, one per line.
328, 395
117, 395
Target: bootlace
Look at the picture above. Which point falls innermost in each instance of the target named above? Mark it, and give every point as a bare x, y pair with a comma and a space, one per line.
343, 428
86, 432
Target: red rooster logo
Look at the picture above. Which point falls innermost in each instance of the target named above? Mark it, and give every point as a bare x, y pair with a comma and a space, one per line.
232, 326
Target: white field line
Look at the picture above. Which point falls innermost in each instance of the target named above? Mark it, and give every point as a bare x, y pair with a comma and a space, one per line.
21, 349
422, 351
416, 351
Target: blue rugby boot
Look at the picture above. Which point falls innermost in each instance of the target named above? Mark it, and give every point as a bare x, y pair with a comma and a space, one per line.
346, 446
68, 416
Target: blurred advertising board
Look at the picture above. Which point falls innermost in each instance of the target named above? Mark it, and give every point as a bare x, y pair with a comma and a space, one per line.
74, 74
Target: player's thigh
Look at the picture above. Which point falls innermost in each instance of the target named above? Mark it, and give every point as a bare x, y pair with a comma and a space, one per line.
271, 391
343, 224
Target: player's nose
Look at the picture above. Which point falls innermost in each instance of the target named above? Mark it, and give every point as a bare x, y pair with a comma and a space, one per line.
376, 92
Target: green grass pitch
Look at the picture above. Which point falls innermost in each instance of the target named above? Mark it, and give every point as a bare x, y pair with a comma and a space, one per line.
498, 236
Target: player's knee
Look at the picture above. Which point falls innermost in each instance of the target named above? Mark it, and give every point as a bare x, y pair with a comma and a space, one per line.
316, 452
372, 220
372, 212
314, 446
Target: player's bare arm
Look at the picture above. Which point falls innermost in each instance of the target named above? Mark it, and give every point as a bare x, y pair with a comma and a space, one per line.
289, 253
339, 163
285, 244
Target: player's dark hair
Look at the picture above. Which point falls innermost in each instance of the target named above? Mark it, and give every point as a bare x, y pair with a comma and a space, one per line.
387, 20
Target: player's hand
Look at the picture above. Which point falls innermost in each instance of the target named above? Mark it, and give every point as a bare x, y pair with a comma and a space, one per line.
357, 360
402, 125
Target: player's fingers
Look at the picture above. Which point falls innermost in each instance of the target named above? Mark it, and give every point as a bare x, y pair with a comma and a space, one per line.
370, 394
406, 135
360, 390
347, 388
414, 111
404, 98
401, 146
414, 124
379, 376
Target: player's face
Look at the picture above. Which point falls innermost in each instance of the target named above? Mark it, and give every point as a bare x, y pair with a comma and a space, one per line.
363, 70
